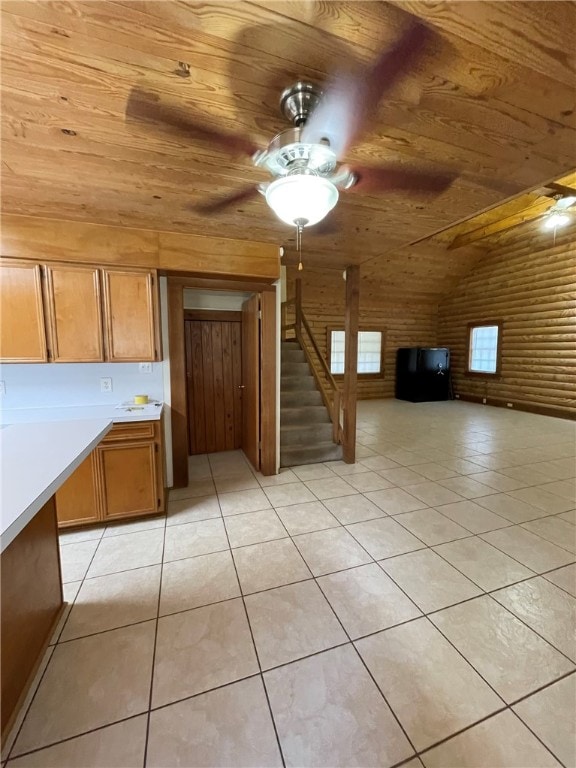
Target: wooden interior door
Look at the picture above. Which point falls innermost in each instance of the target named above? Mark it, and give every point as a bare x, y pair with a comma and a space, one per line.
213, 378
251, 379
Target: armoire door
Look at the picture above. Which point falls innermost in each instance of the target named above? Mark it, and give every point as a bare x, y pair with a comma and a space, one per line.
214, 378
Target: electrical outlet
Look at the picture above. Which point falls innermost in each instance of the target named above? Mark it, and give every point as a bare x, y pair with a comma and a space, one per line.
2, 387
483, 401
510, 405
106, 384
145, 367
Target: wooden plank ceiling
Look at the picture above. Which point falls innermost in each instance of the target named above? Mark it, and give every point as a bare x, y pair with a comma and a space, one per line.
493, 100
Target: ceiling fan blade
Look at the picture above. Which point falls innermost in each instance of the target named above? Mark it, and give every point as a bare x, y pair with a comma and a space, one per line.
219, 204
143, 105
372, 180
350, 100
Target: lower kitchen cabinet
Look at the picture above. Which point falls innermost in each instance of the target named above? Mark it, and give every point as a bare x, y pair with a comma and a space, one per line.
122, 478
77, 499
128, 480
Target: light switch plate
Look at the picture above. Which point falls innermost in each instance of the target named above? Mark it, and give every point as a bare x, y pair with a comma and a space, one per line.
2, 387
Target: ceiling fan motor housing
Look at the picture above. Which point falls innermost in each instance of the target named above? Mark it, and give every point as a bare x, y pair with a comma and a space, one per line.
286, 153
299, 100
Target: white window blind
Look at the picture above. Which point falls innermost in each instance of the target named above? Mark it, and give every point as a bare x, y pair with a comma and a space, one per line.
483, 349
369, 352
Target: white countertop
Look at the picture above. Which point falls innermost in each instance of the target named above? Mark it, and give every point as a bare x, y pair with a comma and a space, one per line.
116, 414
35, 460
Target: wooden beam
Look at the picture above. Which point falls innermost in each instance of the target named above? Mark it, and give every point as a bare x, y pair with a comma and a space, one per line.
562, 189
178, 404
30, 237
510, 222
268, 383
351, 362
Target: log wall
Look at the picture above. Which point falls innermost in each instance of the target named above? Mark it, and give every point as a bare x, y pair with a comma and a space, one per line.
405, 323
529, 282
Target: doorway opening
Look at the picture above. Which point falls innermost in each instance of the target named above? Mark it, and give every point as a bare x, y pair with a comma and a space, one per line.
223, 373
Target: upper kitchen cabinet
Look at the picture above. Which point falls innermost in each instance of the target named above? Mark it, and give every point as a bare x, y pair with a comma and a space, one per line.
130, 311
92, 313
22, 331
74, 314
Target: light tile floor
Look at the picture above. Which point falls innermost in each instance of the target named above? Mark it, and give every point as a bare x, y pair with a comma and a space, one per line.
418, 608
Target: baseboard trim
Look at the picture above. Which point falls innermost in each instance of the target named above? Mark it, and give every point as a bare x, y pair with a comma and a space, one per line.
541, 410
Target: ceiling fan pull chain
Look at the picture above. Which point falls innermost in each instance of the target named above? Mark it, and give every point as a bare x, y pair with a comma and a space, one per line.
299, 246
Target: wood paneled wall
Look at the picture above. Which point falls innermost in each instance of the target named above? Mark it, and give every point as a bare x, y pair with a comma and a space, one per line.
529, 282
405, 324
29, 237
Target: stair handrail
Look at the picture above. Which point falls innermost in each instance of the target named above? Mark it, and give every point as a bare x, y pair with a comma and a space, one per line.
284, 325
332, 404
332, 400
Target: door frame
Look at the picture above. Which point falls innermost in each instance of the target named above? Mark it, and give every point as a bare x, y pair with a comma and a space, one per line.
177, 357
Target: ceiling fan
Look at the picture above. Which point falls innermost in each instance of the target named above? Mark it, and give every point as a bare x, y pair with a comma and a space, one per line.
557, 215
305, 159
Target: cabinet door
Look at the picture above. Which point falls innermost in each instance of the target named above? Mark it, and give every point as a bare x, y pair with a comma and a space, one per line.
76, 500
74, 314
130, 315
22, 331
128, 479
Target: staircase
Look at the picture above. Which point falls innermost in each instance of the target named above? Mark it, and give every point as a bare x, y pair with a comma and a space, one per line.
305, 425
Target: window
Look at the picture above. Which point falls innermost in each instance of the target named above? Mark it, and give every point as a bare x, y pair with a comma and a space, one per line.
484, 347
370, 352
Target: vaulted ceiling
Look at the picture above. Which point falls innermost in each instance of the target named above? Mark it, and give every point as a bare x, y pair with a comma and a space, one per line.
493, 100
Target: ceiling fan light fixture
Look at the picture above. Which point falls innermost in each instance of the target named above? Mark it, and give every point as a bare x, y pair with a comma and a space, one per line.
301, 198
555, 220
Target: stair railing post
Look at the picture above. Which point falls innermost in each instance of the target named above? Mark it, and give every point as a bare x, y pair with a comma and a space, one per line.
351, 362
336, 416
298, 307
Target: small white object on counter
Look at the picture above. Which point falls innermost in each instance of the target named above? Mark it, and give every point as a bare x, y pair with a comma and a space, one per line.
35, 460
116, 413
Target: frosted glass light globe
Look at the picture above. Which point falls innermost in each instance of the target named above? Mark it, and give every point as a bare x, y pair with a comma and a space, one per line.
301, 197
556, 220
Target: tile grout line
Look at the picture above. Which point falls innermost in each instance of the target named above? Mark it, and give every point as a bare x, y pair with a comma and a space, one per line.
358, 654
341, 570
54, 646
77, 736
154, 648
425, 546
341, 525
289, 663
261, 675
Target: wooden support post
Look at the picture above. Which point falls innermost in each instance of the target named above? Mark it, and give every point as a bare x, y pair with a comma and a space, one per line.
351, 362
298, 306
268, 383
178, 406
